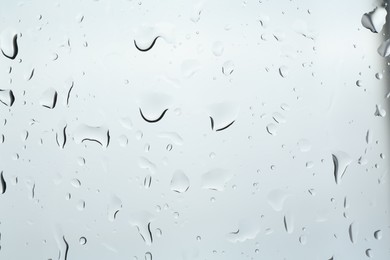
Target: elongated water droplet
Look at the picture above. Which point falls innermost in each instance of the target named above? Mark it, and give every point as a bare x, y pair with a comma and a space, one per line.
114, 207
3, 184
7, 97
180, 182
142, 221
375, 19
341, 161
288, 222
353, 232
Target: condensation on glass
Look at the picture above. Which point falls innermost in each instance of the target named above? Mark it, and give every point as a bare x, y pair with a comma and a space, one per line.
194, 129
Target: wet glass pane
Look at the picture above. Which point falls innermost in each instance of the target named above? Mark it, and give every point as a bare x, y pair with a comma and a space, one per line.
198, 129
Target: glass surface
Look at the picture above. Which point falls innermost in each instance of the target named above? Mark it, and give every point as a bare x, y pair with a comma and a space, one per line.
194, 130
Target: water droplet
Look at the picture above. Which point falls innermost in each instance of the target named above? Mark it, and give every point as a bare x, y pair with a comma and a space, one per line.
145, 38
3, 184
359, 83
384, 48
380, 111
215, 179
369, 252
341, 161
169, 147
353, 232
7, 97
283, 71
123, 141
271, 129
379, 76
304, 145
9, 44
378, 235
148, 256
82, 240
49, 98
217, 48
98, 134
288, 222
126, 123
375, 19
303, 240
76, 183
180, 182
279, 118
198, 238
223, 115
113, 208
228, 68
81, 205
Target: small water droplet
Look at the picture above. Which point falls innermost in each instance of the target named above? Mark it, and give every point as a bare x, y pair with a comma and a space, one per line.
198, 238
303, 240
76, 183
380, 112
359, 83
82, 240
379, 76
228, 68
384, 48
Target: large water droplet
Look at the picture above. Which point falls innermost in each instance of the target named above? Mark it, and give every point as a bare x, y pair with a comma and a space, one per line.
384, 48
215, 179
9, 44
7, 97
341, 161
375, 19
180, 182
49, 98
98, 134
222, 115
